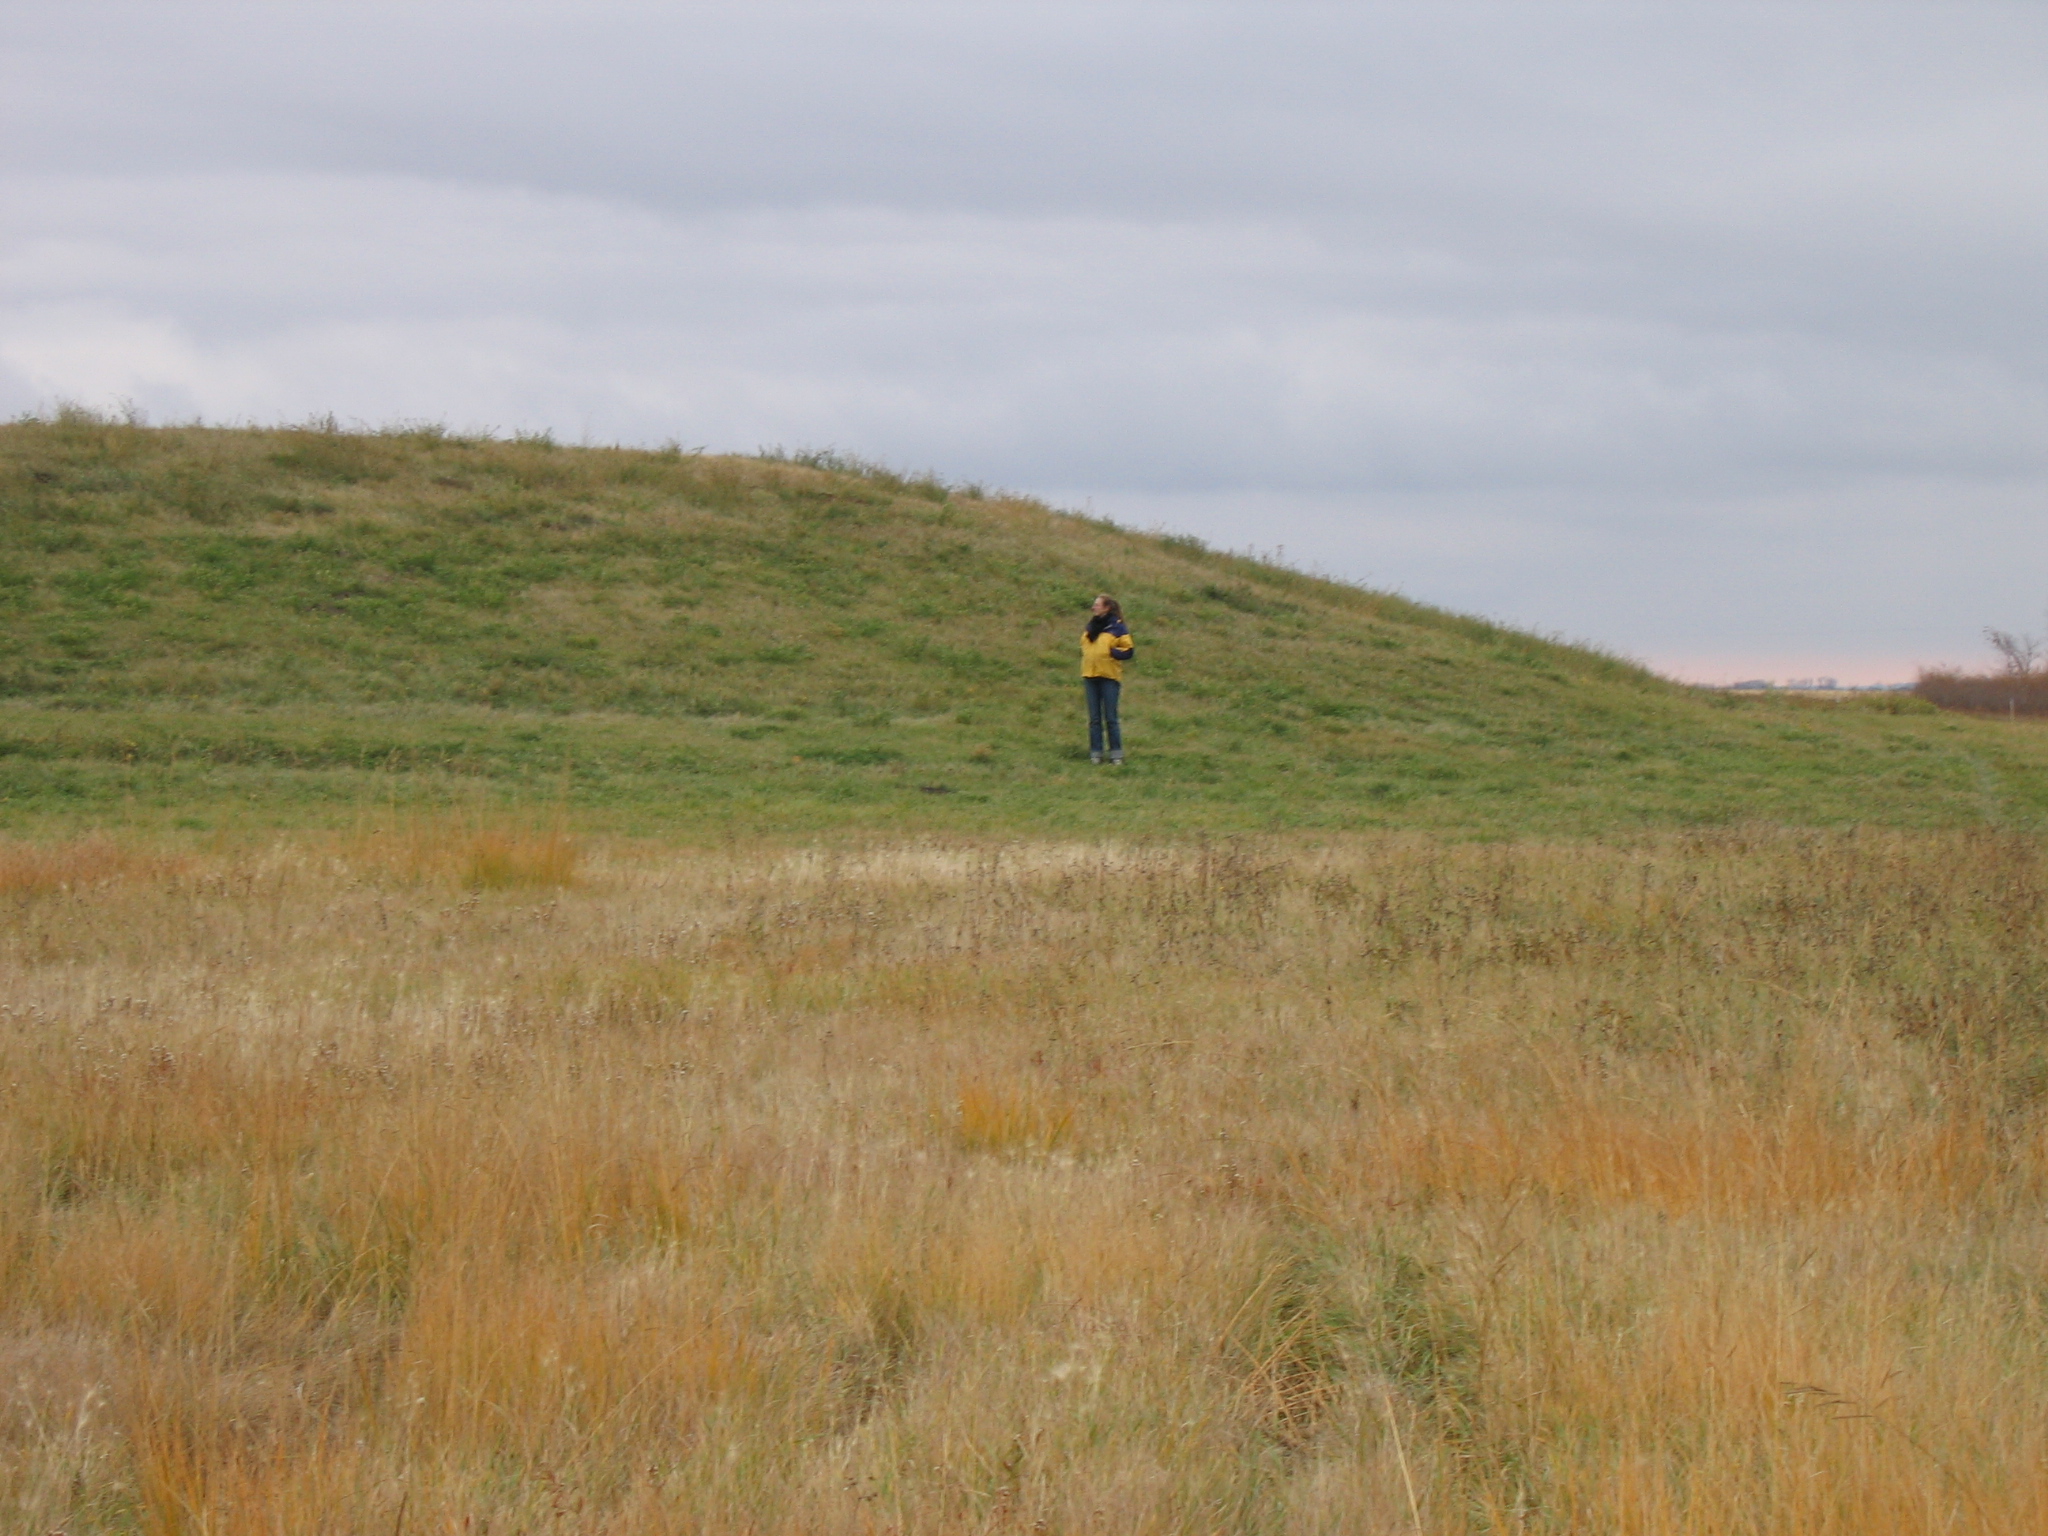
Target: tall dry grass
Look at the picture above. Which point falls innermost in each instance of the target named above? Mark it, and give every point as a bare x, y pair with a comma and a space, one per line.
1383, 1185
477, 852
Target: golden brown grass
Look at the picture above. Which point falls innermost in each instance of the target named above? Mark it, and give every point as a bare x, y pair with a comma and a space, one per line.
80, 864
1695, 1186
477, 853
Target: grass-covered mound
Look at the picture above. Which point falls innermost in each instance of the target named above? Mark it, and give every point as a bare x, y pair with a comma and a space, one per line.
199, 625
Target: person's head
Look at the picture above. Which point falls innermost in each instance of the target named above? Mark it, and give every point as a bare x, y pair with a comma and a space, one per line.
1106, 608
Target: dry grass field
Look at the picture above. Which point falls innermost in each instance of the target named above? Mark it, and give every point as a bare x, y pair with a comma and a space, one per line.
446, 1180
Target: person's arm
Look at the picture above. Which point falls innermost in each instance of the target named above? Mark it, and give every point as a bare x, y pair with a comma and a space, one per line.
1121, 648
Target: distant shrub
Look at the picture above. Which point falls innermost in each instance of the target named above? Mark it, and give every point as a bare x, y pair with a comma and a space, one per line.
2003, 693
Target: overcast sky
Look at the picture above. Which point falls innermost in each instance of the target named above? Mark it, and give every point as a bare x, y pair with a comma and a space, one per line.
1714, 333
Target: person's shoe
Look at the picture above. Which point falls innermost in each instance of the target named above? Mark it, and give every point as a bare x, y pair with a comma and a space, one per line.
1116, 759
1095, 758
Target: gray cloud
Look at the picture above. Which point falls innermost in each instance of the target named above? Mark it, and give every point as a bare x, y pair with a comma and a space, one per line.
1534, 310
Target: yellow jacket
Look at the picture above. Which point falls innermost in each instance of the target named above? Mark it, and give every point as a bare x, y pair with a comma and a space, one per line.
1105, 655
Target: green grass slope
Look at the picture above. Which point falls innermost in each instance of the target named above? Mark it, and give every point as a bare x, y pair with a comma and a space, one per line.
208, 627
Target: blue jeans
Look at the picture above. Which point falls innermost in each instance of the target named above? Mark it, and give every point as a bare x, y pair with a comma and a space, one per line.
1102, 700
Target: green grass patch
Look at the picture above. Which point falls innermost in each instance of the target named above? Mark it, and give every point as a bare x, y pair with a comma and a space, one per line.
275, 626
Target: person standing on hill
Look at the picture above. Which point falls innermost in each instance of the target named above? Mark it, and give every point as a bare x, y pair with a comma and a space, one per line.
1105, 647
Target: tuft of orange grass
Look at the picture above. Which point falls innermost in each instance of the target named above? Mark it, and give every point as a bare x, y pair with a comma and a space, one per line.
989, 1118
32, 869
1585, 1148
548, 1364
468, 854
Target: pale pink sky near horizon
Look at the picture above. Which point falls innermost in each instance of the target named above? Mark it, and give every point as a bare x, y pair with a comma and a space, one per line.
1711, 333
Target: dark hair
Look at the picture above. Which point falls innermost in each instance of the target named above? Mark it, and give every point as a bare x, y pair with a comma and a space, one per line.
1111, 614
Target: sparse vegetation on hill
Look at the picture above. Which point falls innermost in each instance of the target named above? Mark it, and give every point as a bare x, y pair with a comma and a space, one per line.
285, 624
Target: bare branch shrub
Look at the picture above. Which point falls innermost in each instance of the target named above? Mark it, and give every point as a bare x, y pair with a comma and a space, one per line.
2022, 653
2019, 688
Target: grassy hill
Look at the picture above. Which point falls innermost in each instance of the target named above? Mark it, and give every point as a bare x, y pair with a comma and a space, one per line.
206, 627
